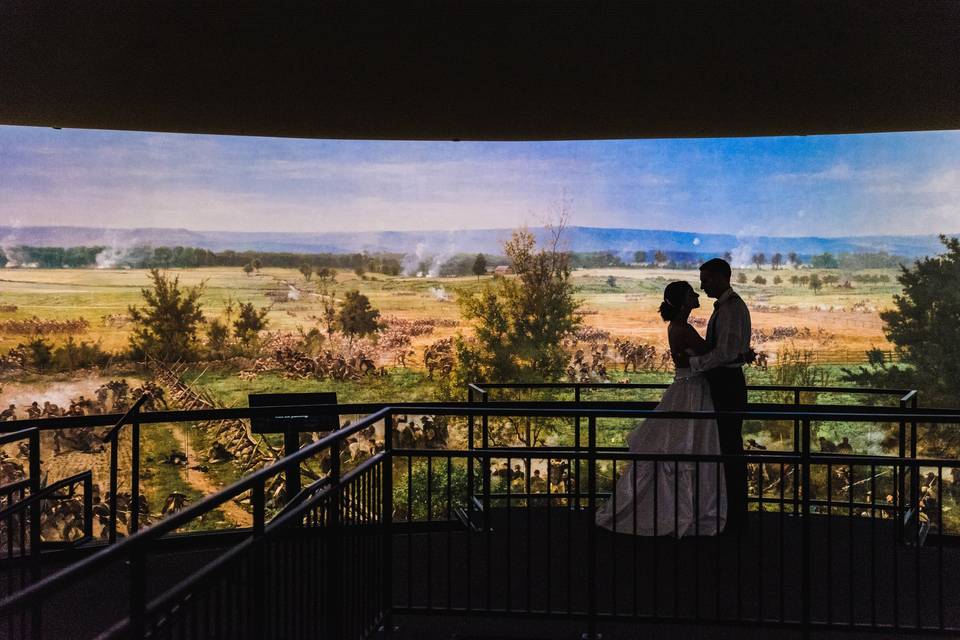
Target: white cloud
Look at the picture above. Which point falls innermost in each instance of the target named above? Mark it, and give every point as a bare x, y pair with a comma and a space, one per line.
838, 172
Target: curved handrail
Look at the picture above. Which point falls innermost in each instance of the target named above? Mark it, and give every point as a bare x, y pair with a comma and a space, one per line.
86, 477
38, 590
125, 418
241, 413
664, 385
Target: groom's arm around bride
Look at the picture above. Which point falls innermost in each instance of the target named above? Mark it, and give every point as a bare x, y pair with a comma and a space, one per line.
728, 340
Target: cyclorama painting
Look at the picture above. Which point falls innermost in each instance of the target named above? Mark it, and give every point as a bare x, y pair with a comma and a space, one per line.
204, 269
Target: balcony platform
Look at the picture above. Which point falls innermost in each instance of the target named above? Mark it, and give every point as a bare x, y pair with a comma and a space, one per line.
536, 563
528, 576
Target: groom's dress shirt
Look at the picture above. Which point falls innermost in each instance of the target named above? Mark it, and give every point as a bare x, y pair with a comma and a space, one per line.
728, 334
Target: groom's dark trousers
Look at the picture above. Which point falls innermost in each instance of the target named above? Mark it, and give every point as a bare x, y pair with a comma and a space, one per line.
729, 390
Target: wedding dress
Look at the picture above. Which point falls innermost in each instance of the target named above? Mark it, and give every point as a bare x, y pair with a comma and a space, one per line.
631, 509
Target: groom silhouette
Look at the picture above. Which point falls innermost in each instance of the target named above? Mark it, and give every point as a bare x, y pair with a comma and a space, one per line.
728, 338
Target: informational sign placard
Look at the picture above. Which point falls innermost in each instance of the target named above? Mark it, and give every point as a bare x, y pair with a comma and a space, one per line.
295, 421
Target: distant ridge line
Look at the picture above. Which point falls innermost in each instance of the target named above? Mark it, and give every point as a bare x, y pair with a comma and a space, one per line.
622, 241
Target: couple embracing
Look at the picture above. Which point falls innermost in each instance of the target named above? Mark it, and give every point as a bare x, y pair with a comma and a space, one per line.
688, 498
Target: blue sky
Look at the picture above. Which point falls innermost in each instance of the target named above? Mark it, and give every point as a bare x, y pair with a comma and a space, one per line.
894, 183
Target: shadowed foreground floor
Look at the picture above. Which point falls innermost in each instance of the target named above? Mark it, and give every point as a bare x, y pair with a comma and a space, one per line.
535, 561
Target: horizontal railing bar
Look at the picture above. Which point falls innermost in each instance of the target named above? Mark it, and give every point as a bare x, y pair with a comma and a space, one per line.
910, 395
303, 493
46, 493
480, 386
14, 486
201, 415
490, 409
787, 457
125, 418
39, 589
13, 436
277, 523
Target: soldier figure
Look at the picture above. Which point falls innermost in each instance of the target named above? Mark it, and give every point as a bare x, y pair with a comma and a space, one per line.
9, 413
844, 447
33, 411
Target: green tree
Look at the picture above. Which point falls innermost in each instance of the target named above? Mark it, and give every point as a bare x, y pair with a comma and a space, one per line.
325, 273
250, 321
815, 283
611, 282
256, 264
759, 259
218, 335
39, 353
356, 318
923, 323
824, 261
248, 268
520, 322
306, 270
639, 257
760, 280
480, 266
741, 277
166, 326
162, 256
776, 261
793, 259
660, 258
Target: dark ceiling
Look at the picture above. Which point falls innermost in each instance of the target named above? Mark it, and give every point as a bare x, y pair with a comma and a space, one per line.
485, 70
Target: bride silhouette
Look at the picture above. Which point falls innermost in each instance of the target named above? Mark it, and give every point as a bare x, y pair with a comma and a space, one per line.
668, 497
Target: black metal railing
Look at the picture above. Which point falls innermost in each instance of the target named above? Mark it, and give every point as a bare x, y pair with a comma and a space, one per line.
132, 417
386, 538
135, 417
265, 577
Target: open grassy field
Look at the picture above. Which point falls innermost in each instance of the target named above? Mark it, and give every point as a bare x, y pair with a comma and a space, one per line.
839, 320
837, 324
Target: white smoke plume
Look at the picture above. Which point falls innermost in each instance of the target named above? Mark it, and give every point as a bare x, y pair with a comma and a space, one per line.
411, 261
439, 259
439, 294
15, 258
742, 255
111, 257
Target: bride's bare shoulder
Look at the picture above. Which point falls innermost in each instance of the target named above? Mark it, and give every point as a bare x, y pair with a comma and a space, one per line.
685, 336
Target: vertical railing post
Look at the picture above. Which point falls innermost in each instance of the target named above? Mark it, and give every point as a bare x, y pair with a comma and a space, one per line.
805, 531
88, 507
591, 529
34, 443
134, 523
797, 447
900, 479
470, 462
114, 445
485, 445
914, 475
256, 577
334, 561
387, 587
291, 484
575, 472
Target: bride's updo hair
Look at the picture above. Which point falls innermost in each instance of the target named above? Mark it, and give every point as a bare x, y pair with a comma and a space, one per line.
673, 298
